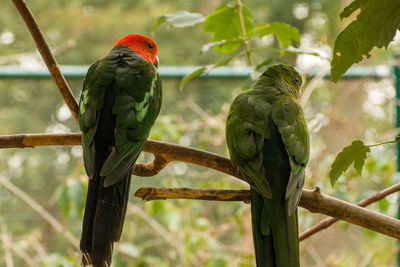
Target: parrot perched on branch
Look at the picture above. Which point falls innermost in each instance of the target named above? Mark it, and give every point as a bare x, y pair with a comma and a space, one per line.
120, 101
268, 140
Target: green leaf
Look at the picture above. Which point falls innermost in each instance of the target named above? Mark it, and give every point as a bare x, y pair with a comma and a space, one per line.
191, 76
224, 23
350, 9
204, 70
356, 152
283, 32
376, 25
210, 45
180, 19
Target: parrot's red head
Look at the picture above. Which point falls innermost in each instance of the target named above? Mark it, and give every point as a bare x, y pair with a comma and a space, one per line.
143, 45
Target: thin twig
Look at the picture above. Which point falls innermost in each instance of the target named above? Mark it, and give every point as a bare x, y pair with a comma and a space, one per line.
159, 229
40, 210
244, 32
22, 56
38, 248
316, 81
313, 200
20, 252
47, 56
363, 203
7, 245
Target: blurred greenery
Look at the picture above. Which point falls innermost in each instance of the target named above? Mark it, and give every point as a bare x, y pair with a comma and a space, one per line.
183, 232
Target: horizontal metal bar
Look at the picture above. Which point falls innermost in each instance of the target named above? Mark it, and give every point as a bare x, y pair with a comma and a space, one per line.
69, 71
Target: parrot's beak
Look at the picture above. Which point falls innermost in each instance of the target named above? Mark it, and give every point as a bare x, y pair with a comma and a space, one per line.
157, 62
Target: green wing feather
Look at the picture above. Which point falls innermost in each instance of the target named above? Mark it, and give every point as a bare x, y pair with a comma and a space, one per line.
137, 87
91, 101
288, 117
266, 129
246, 128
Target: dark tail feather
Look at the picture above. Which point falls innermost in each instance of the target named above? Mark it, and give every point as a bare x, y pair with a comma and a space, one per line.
90, 211
103, 220
275, 237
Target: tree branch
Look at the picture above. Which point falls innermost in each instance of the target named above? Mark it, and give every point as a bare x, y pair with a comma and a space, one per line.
152, 193
363, 203
47, 56
165, 153
312, 200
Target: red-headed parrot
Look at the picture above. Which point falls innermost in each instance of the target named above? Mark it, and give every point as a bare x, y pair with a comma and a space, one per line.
120, 101
268, 140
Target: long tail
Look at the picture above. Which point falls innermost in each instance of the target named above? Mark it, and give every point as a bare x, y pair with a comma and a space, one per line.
275, 234
103, 219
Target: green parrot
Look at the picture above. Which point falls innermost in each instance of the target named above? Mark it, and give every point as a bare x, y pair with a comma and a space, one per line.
268, 141
120, 101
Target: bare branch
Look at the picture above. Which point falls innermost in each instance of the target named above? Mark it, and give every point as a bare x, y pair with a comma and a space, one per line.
48, 57
7, 245
22, 56
151, 193
43, 139
164, 152
363, 203
159, 229
312, 200
40, 210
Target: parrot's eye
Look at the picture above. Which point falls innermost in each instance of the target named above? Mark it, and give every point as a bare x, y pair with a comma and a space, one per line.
150, 46
297, 79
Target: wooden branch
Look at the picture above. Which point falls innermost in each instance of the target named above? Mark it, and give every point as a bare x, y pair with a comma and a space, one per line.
151, 193
363, 203
42, 139
164, 152
47, 56
312, 200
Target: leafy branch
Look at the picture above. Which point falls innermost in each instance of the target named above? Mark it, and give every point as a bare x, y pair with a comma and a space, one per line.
355, 153
244, 32
232, 26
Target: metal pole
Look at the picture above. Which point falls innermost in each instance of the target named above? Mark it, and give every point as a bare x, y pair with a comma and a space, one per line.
396, 71
178, 72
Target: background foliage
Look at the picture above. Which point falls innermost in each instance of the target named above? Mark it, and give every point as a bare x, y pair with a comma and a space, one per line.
180, 232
